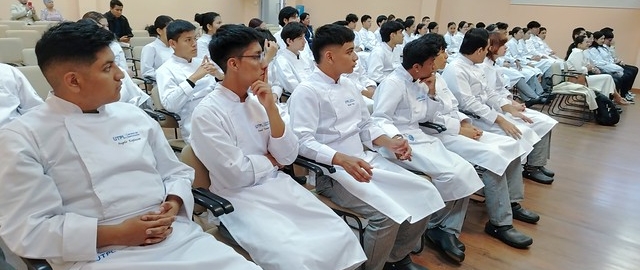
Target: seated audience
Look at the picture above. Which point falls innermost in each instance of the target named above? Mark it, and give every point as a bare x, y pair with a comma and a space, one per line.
157, 52
210, 22
382, 60
18, 96
100, 188
331, 121
290, 67
24, 11
118, 23
239, 136
257, 24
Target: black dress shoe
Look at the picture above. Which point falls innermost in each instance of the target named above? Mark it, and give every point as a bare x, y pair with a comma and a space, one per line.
404, 264
547, 172
446, 244
531, 102
459, 244
508, 235
537, 176
524, 215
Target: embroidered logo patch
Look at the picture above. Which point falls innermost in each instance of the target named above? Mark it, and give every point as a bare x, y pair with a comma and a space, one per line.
105, 254
262, 126
350, 102
127, 138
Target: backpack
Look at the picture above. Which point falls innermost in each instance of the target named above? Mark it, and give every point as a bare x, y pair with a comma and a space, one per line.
606, 114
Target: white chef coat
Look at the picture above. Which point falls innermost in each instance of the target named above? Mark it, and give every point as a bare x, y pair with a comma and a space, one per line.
17, 96
400, 105
291, 69
367, 39
600, 82
66, 172
280, 223
176, 95
330, 117
381, 62
153, 56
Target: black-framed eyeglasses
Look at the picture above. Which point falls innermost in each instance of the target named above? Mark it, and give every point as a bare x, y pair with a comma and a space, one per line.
258, 57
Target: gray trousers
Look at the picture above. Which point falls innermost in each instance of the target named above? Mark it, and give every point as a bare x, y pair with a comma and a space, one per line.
502, 190
451, 217
384, 239
541, 152
530, 89
4, 265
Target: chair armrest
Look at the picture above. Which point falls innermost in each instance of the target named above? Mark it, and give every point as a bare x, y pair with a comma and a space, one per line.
36, 264
213, 202
146, 79
155, 115
314, 166
170, 114
439, 128
470, 114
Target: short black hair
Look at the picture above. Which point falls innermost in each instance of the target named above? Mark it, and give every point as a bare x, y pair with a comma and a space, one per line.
389, 27
292, 31
204, 19
115, 3
231, 40
426, 17
607, 34
606, 29
461, 24
492, 27
328, 35
304, 16
533, 24
341, 23
418, 27
160, 23
502, 26
364, 18
480, 25
576, 31
410, 17
436, 39
417, 52
94, 15
351, 18
450, 24
408, 23
266, 34
515, 30
579, 39
542, 28
380, 19
177, 27
76, 42
474, 39
432, 25
286, 13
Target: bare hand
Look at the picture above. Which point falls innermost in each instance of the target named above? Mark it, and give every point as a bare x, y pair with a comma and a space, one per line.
262, 90
136, 232
357, 168
518, 66
400, 147
519, 106
270, 50
509, 128
368, 92
431, 83
523, 117
124, 39
470, 132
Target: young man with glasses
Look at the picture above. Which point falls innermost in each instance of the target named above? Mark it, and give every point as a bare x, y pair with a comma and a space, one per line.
239, 136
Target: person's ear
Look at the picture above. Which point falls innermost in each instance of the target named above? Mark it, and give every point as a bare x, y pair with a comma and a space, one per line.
172, 44
233, 64
328, 55
71, 81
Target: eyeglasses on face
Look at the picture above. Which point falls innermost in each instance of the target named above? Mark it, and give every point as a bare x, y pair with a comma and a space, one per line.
257, 57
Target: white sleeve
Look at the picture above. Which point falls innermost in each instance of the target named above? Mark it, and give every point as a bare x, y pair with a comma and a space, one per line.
131, 93
28, 96
35, 223
285, 74
147, 60
177, 177
304, 111
17, 12
213, 144
386, 99
375, 65
174, 93
576, 62
458, 82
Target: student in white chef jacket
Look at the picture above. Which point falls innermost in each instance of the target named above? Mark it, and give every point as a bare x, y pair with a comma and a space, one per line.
542, 124
115, 46
154, 54
476, 92
401, 102
497, 155
292, 68
331, 121
380, 20
382, 60
366, 85
184, 79
239, 136
601, 82
17, 96
210, 22
90, 183
367, 38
